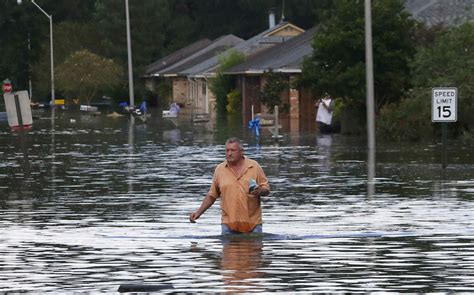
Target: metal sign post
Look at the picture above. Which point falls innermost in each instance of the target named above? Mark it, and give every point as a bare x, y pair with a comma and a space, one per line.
18, 112
444, 109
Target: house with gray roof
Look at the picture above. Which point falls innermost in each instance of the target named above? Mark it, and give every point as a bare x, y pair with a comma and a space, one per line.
441, 12
285, 58
217, 46
277, 34
190, 75
175, 57
152, 70
200, 73
182, 89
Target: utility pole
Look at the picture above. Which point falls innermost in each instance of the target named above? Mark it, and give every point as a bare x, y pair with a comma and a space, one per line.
370, 93
129, 51
50, 17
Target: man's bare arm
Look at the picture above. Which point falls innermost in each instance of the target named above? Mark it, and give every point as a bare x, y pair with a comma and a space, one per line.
206, 203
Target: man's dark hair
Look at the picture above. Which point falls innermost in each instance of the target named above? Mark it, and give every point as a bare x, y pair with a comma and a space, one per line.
235, 140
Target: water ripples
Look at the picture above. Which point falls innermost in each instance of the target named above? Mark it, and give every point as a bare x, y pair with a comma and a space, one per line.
93, 208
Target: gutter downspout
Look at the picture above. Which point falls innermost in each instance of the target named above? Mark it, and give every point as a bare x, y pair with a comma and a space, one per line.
190, 82
195, 94
244, 98
207, 94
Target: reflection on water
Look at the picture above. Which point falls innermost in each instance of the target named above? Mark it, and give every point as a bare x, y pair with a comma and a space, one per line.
241, 263
100, 202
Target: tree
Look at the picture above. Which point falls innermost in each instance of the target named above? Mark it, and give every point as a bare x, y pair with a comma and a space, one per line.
84, 74
222, 84
196, 19
270, 96
337, 65
148, 20
24, 35
69, 37
158, 28
446, 61
449, 62
17, 29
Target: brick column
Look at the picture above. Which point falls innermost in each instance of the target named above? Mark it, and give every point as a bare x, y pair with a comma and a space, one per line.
294, 107
294, 100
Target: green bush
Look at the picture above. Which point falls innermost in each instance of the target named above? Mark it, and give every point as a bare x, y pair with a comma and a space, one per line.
270, 96
222, 84
408, 119
449, 62
233, 102
164, 90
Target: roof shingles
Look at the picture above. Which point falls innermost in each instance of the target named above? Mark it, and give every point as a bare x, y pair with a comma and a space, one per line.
441, 12
284, 57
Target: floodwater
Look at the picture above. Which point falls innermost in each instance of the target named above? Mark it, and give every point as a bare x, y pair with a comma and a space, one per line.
96, 202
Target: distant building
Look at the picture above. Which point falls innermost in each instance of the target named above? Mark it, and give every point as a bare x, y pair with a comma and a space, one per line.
200, 73
441, 12
190, 74
185, 91
285, 58
171, 67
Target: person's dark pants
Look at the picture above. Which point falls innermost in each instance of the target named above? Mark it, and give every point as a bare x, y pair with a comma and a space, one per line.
327, 129
324, 128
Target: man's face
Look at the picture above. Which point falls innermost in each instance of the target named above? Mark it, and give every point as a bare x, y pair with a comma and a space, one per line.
233, 152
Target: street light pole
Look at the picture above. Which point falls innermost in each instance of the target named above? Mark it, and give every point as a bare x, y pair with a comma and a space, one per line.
370, 91
129, 52
50, 17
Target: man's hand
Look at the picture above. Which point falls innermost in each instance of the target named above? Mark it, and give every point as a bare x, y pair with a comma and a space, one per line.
260, 191
206, 203
192, 217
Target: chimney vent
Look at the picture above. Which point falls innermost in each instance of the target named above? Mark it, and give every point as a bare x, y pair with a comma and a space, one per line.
271, 18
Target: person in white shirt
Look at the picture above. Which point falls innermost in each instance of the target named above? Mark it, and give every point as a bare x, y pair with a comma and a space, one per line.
325, 107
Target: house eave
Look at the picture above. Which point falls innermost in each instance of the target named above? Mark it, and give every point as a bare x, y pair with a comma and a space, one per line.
260, 72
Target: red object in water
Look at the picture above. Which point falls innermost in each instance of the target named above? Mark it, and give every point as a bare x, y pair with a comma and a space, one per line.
18, 129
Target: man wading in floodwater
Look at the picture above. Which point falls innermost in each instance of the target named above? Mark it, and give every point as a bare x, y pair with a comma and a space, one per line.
239, 182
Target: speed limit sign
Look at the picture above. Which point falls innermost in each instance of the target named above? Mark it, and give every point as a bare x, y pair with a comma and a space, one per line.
444, 104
